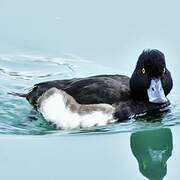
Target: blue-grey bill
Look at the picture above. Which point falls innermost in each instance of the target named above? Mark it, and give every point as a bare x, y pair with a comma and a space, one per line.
156, 92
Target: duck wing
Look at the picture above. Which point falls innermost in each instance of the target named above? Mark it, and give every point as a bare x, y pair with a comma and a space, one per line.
91, 90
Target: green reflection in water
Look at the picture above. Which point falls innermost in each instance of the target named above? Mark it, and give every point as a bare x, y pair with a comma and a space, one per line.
152, 149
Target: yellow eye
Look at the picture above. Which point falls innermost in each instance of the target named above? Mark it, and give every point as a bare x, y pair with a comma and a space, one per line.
143, 71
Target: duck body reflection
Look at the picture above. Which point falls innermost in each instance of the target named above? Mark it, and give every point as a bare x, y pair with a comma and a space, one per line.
152, 149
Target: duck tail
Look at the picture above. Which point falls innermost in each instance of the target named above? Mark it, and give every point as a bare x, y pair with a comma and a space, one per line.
23, 95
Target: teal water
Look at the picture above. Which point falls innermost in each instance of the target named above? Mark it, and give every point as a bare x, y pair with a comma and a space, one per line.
20, 72
45, 40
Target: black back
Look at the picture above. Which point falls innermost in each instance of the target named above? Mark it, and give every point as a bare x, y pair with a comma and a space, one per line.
108, 89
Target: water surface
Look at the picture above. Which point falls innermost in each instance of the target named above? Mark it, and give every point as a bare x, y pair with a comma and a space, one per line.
19, 73
45, 40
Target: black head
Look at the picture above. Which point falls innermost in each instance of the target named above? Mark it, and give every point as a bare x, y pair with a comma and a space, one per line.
151, 64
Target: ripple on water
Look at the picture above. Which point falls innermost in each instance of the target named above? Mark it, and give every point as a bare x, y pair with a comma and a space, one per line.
19, 72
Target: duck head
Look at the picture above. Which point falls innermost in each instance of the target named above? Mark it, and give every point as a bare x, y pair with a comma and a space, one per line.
151, 79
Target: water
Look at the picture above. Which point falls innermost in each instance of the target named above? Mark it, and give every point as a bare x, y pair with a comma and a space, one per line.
19, 73
45, 40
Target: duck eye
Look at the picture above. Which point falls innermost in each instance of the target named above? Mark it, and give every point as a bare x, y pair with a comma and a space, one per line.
143, 71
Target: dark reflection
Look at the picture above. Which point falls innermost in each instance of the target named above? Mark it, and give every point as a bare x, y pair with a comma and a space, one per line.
152, 149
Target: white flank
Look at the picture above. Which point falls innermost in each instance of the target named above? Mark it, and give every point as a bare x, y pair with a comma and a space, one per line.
54, 110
